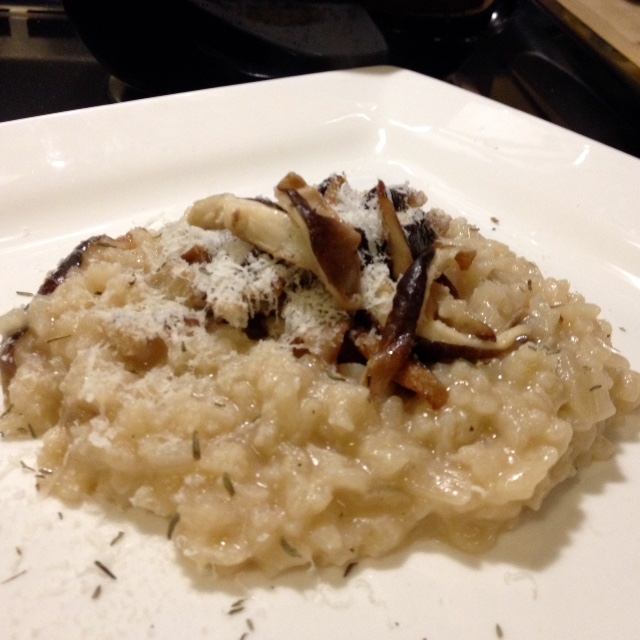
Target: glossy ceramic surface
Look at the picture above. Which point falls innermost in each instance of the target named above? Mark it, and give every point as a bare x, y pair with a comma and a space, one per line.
570, 204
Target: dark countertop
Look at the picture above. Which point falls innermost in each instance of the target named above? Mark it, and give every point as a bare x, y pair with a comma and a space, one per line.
530, 62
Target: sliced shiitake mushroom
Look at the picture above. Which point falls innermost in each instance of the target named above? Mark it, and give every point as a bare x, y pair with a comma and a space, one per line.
431, 351
265, 226
302, 229
330, 188
333, 242
56, 277
398, 334
399, 250
412, 375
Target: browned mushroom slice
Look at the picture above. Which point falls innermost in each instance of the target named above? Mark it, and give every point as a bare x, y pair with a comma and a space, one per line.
465, 258
430, 351
56, 277
405, 197
330, 188
440, 342
413, 375
417, 378
420, 235
398, 334
295, 182
333, 243
196, 255
399, 250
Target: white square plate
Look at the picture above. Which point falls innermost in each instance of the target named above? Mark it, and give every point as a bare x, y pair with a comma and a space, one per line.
570, 204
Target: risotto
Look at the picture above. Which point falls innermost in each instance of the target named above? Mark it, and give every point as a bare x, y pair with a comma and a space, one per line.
310, 379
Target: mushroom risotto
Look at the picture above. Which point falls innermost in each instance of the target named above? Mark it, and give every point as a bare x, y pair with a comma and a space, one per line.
311, 378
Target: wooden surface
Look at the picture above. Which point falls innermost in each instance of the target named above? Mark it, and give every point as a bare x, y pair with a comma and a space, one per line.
617, 22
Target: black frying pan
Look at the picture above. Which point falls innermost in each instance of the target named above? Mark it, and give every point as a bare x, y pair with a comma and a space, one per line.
162, 46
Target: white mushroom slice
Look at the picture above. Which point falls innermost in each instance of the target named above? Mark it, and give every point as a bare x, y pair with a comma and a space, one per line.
264, 226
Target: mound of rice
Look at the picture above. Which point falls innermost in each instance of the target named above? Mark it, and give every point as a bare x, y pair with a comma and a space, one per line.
214, 379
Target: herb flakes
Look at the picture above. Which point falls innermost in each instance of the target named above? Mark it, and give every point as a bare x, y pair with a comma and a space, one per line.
228, 485
288, 549
105, 569
236, 607
14, 577
117, 538
172, 525
195, 446
349, 568
96, 592
25, 466
56, 338
499, 631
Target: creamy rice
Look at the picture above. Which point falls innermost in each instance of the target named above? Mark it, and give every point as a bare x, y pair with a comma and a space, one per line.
145, 376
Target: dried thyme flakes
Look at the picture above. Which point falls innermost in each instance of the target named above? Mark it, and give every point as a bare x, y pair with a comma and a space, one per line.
172, 525
105, 569
117, 538
56, 338
288, 549
236, 607
25, 466
14, 577
195, 446
228, 485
